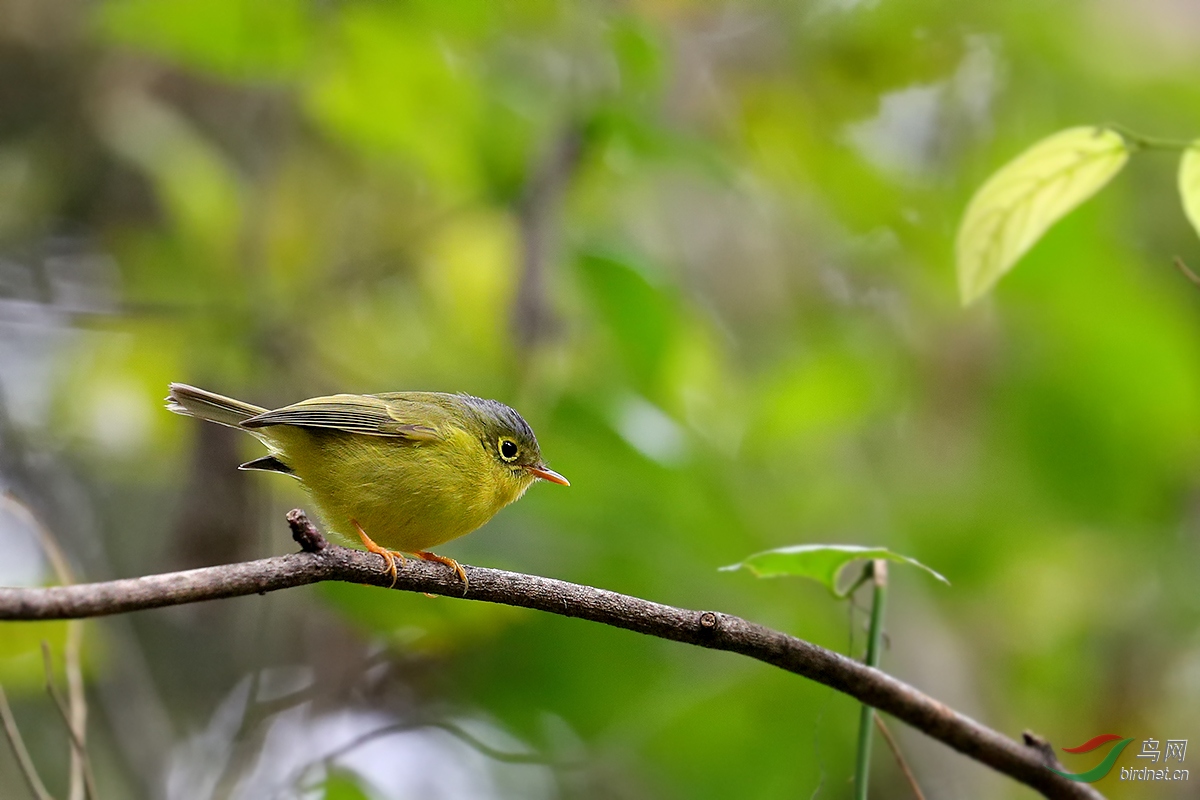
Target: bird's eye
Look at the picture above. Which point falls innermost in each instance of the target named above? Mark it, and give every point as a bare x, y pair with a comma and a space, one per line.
508, 450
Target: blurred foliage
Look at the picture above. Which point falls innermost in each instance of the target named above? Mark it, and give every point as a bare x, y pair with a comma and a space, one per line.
737, 220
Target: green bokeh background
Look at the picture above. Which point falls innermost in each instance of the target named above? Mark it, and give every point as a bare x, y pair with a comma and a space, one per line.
706, 250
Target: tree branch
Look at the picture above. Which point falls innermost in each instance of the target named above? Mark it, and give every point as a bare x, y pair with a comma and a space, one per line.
711, 629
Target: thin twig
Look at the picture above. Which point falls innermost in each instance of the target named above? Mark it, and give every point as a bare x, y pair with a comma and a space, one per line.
58, 561
81, 783
457, 732
708, 629
894, 746
503, 756
28, 770
1187, 271
78, 747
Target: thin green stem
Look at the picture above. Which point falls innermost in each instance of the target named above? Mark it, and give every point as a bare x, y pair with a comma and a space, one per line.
1137, 141
859, 581
862, 763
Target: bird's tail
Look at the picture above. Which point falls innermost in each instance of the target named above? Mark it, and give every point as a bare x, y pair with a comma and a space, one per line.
193, 402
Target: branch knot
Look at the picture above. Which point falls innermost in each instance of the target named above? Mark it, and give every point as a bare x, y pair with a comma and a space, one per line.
305, 533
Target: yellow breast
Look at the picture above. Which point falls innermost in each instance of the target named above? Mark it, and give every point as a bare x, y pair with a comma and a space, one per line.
407, 496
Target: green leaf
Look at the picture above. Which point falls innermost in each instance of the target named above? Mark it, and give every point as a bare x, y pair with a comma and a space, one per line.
342, 785
1189, 183
1016, 206
822, 563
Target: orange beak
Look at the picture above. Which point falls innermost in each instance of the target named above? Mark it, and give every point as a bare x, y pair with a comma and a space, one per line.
547, 474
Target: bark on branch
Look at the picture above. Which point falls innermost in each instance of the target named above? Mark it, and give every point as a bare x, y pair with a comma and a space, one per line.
1026, 763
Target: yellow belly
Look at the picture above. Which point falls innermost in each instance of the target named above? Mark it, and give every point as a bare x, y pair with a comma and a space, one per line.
406, 496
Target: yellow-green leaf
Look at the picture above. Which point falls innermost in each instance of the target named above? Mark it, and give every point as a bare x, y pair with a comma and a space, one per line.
822, 563
1189, 183
1012, 210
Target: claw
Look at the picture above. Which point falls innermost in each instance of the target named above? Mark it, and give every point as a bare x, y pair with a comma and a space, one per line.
388, 556
449, 562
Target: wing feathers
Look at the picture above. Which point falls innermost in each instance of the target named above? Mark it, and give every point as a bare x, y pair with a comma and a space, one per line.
352, 413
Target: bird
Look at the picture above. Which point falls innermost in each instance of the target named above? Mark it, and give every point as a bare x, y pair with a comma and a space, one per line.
401, 472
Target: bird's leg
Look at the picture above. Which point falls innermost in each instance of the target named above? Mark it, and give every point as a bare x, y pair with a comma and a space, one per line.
389, 556
449, 562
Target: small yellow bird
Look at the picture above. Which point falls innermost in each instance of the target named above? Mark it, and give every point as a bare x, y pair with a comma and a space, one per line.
411, 469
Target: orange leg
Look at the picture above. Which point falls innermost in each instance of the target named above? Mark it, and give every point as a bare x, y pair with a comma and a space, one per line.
389, 556
449, 562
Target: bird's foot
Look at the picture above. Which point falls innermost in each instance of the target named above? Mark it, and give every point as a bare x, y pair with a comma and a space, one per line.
449, 562
388, 556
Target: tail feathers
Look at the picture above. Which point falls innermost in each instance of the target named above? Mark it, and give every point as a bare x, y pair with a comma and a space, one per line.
193, 402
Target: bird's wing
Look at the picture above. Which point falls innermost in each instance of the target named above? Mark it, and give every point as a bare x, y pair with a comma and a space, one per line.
352, 413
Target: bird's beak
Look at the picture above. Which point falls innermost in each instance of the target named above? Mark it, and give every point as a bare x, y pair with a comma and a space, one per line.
547, 474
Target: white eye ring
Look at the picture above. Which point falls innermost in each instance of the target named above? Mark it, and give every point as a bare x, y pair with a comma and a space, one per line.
508, 450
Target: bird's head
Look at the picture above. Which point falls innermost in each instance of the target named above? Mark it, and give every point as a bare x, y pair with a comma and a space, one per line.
508, 439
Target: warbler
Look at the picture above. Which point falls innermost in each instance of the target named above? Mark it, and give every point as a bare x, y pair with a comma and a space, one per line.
402, 472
